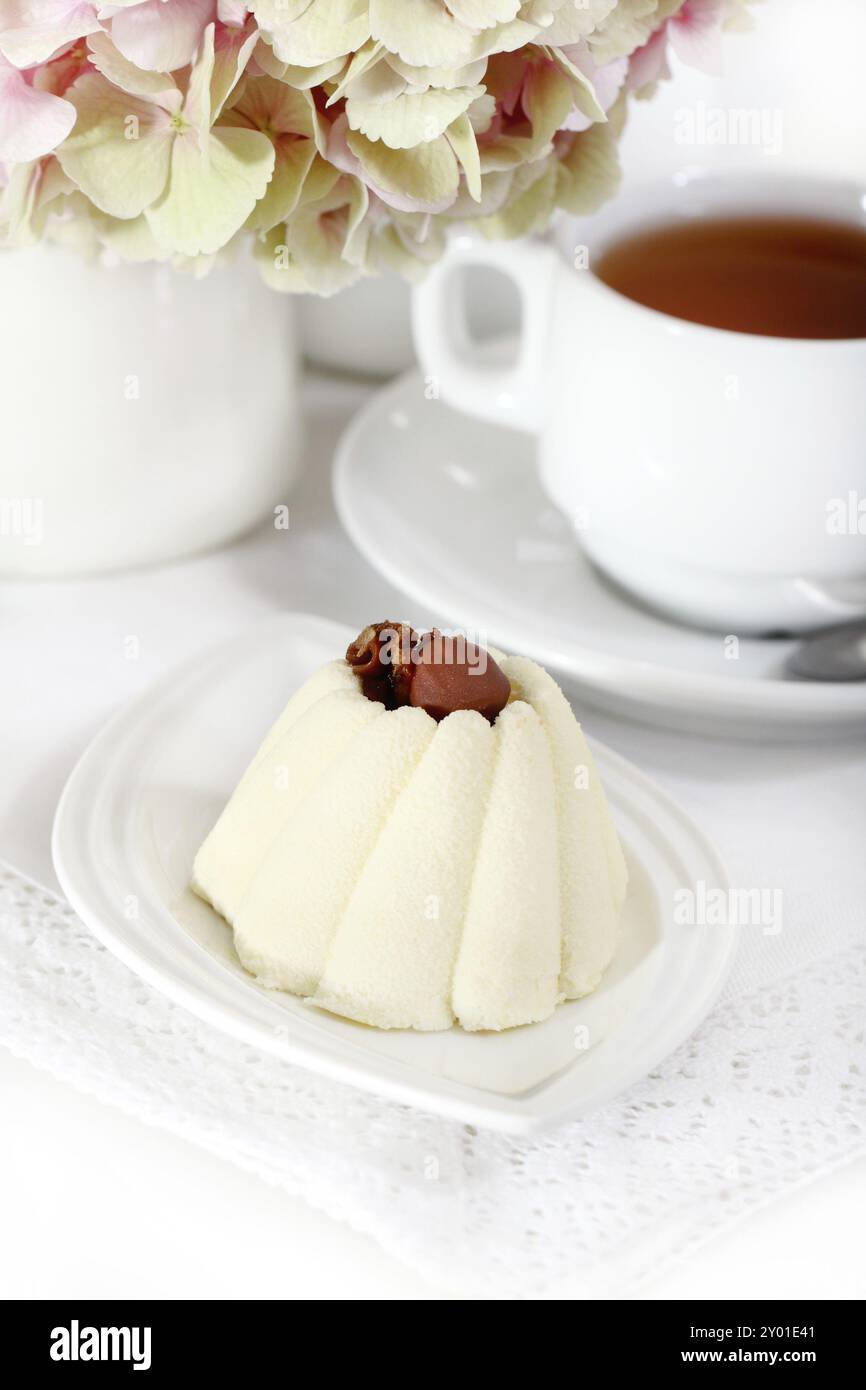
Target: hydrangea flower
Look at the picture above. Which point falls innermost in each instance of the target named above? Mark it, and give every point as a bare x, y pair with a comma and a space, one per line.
341, 136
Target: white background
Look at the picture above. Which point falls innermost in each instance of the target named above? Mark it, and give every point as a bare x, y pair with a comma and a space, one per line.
96, 1204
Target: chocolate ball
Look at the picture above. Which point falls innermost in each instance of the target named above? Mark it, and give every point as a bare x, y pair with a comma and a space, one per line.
452, 674
437, 673
381, 657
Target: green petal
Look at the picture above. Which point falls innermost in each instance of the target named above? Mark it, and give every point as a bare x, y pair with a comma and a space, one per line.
427, 175
483, 14
276, 266
18, 224
323, 247
548, 97
293, 157
320, 182
309, 34
304, 260
266, 104
361, 61
590, 172
132, 240
461, 138
410, 119
422, 33
628, 27
505, 38
391, 251
76, 231
583, 92
197, 103
355, 245
573, 22
305, 79
495, 188
481, 113
289, 118
210, 195
528, 210
265, 58
468, 75
121, 175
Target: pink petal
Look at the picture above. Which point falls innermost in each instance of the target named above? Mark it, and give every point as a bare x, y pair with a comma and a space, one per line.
32, 31
32, 123
696, 34
650, 63
607, 81
232, 11
162, 37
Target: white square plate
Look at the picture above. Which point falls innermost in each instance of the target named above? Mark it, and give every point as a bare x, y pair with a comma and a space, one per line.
152, 783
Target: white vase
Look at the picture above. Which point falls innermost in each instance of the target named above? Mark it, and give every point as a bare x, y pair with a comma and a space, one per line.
145, 414
364, 329
367, 329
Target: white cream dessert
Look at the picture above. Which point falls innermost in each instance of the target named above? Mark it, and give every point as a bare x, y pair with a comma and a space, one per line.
421, 840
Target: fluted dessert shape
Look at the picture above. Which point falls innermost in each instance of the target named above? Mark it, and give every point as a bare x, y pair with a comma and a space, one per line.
270, 793
392, 962
302, 893
412, 874
592, 870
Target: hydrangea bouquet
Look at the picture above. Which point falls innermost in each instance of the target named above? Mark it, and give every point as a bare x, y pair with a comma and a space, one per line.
340, 136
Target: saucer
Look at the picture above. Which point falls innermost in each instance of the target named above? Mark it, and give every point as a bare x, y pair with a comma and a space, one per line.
450, 510
151, 785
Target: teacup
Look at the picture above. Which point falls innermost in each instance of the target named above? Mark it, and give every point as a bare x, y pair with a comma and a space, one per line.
719, 476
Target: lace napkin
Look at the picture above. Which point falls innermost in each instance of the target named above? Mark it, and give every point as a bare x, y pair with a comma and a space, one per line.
767, 1094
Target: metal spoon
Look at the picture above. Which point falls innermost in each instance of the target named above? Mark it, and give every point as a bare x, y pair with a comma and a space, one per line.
834, 654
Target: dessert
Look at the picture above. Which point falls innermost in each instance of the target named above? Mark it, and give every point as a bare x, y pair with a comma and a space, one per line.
421, 839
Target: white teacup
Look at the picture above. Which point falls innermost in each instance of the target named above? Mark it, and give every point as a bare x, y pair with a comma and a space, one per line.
719, 476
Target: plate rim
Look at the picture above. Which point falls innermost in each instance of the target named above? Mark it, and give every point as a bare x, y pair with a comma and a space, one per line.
451, 1099
599, 671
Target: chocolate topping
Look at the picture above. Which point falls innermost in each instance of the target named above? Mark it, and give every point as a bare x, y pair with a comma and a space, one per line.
381, 657
435, 672
452, 674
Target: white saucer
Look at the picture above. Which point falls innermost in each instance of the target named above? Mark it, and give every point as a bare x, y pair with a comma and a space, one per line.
150, 786
451, 511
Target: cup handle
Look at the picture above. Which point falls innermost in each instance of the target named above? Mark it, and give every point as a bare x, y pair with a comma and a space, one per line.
511, 395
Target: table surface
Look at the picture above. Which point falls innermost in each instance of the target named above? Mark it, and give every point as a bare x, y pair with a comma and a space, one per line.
67, 671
